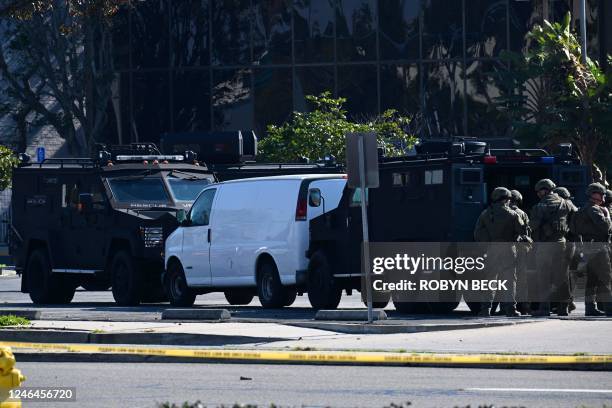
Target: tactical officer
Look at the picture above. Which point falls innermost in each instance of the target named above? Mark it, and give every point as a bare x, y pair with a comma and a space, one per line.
609, 200
569, 249
592, 225
523, 248
549, 226
501, 226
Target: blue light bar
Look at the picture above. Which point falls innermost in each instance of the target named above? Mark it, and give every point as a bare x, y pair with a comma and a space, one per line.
548, 159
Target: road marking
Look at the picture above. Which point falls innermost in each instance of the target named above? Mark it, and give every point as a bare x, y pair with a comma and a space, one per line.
378, 358
567, 390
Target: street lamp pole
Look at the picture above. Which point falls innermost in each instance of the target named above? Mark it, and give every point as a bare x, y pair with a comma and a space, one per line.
583, 31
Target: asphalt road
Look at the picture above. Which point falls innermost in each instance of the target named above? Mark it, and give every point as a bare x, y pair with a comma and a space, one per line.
100, 306
145, 385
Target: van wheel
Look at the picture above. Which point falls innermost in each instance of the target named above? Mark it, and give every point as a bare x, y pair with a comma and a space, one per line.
44, 286
290, 297
239, 297
125, 280
176, 287
272, 294
321, 287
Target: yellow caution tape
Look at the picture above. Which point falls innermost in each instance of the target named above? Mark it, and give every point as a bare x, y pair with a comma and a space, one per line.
320, 356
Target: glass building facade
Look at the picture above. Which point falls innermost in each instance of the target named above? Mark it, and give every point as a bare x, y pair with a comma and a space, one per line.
201, 65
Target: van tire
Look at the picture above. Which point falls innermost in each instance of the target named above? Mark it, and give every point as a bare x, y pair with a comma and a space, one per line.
125, 279
323, 293
176, 287
239, 297
290, 297
44, 286
272, 294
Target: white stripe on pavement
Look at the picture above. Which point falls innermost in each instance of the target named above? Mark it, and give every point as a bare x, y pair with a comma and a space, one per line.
572, 390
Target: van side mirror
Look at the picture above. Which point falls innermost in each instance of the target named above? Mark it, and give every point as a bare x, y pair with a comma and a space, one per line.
314, 197
181, 216
86, 202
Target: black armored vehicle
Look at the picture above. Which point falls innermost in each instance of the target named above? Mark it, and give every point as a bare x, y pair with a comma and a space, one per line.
435, 195
100, 222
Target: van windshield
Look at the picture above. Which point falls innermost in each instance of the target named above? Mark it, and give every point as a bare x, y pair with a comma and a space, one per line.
138, 190
186, 189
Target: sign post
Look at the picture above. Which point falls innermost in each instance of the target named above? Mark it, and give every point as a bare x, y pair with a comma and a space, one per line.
362, 169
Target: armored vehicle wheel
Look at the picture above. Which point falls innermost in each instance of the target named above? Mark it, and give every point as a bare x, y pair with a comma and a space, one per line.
272, 294
323, 293
176, 286
125, 279
377, 305
238, 297
44, 286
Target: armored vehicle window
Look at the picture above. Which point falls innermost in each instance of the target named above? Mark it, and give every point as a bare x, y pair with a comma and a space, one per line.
138, 190
572, 177
356, 197
471, 176
186, 189
434, 176
200, 212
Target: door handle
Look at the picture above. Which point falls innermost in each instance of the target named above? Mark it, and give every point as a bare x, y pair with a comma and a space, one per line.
209, 235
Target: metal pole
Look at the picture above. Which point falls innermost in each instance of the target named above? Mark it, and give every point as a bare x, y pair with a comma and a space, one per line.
364, 226
583, 31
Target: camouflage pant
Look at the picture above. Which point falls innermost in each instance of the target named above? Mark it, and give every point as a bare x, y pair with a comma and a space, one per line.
504, 268
552, 282
598, 278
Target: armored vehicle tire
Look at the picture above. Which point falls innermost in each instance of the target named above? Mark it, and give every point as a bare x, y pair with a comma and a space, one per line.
45, 287
441, 307
377, 305
272, 294
125, 279
474, 307
238, 297
323, 293
176, 287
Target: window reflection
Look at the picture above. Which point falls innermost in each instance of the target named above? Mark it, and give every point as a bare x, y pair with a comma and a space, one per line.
150, 36
273, 97
272, 32
357, 83
313, 22
191, 101
231, 32
311, 81
483, 87
189, 32
356, 30
399, 28
442, 29
443, 99
151, 106
485, 27
232, 100
400, 88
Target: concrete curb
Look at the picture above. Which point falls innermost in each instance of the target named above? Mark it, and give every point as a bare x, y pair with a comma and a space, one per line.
26, 313
196, 314
391, 328
70, 357
353, 315
86, 337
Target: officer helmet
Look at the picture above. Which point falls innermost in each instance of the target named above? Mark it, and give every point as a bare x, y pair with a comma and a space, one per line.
562, 192
516, 196
545, 184
595, 188
500, 193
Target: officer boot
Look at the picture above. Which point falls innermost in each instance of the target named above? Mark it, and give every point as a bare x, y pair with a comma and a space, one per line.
543, 310
484, 311
562, 309
510, 310
571, 307
591, 310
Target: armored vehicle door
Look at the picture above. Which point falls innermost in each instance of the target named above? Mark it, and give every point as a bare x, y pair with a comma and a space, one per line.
468, 199
85, 223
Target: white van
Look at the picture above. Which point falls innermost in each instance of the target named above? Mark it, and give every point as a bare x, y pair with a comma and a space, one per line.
247, 237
